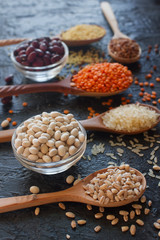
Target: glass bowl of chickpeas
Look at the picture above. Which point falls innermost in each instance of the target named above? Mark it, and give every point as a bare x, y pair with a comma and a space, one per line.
40, 59
49, 143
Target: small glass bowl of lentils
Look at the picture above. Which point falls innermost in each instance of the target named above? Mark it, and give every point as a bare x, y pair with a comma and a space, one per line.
40, 59
49, 143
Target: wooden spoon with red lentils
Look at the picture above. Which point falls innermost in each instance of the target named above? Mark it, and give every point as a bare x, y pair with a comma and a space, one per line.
96, 80
97, 189
121, 48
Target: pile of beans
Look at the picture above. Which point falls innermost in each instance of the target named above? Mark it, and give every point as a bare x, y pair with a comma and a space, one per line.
49, 137
39, 52
114, 185
103, 77
124, 47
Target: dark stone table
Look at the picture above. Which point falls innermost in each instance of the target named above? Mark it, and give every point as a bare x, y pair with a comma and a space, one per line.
141, 21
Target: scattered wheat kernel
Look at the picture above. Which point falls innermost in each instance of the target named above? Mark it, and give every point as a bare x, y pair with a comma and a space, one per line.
124, 228
89, 207
156, 167
139, 222
138, 212
110, 217
62, 206
115, 221
133, 229
98, 215
132, 214
143, 199
158, 220
81, 222
146, 211
70, 179
123, 212
76, 181
101, 209
137, 206
34, 189
97, 228
68, 236
73, 224
156, 225
125, 218
37, 211
149, 203
70, 214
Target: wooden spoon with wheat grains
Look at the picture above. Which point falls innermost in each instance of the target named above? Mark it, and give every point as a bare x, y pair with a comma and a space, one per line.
73, 194
94, 124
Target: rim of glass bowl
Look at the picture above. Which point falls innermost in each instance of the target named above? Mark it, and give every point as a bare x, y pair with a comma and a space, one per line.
66, 53
51, 164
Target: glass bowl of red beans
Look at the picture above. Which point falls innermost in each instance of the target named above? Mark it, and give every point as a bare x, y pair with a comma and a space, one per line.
40, 59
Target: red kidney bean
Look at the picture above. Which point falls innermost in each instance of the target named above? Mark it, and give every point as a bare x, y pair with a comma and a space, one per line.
39, 52
9, 78
6, 100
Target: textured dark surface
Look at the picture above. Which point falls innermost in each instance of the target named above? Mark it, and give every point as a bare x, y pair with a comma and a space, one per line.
141, 21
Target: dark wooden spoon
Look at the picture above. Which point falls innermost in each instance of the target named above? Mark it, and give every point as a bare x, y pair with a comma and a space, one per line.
94, 124
63, 86
109, 15
73, 194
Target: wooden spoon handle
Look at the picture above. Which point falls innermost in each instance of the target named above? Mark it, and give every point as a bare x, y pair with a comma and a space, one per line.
6, 135
21, 202
31, 88
108, 13
6, 42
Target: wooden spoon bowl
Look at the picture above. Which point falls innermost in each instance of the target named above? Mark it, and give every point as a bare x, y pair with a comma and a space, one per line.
109, 15
73, 194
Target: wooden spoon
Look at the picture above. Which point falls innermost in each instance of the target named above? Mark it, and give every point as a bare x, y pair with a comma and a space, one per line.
108, 13
70, 43
73, 194
94, 124
63, 86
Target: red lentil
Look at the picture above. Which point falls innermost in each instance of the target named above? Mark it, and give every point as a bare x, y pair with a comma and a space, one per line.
159, 100
24, 104
14, 123
10, 111
141, 84
103, 77
66, 111
151, 84
149, 75
154, 102
9, 119
158, 79
146, 84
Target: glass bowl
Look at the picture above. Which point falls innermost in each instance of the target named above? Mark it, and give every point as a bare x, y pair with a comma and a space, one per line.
44, 73
53, 167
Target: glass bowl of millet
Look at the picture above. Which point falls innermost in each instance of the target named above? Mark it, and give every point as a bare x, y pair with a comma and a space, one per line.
40, 59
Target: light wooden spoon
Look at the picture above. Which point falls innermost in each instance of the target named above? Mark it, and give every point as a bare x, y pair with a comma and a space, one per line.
69, 43
94, 124
63, 86
73, 194
108, 13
